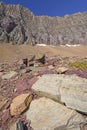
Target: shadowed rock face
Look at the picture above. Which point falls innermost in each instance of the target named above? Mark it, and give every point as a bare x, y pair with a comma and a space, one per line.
18, 25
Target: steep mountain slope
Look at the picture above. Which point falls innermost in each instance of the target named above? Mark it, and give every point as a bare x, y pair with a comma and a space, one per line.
18, 26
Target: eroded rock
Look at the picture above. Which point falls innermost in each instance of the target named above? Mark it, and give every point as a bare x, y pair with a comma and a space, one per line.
45, 114
47, 86
20, 103
68, 89
73, 92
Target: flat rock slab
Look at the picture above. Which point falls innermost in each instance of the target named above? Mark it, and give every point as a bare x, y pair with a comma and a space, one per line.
46, 114
20, 103
48, 86
74, 92
9, 75
68, 89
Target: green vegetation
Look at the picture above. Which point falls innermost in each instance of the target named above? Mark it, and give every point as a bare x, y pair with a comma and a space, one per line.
77, 64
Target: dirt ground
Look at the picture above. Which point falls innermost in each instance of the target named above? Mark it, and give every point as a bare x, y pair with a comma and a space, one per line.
16, 52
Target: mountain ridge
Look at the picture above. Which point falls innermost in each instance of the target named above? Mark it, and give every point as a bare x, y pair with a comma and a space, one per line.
18, 25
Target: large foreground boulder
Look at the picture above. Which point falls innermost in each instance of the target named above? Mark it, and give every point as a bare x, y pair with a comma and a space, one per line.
45, 114
68, 89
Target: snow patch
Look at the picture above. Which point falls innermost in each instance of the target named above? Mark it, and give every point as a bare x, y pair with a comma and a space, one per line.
41, 45
75, 45
72, 45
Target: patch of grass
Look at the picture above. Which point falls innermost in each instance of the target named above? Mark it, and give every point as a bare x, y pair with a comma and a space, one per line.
77, 64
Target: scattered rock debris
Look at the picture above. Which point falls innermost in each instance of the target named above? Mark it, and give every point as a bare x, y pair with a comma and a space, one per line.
17, 79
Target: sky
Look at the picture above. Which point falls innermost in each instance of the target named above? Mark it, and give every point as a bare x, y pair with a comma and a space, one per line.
52, 7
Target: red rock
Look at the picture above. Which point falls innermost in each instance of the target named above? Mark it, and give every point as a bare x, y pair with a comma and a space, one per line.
1, 70
48, 72
4, 127
5, 116
7, 105
21, 86
79, 72
31, 82
85, 127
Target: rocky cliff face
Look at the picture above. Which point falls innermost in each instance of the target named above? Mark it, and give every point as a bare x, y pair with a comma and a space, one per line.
18, 26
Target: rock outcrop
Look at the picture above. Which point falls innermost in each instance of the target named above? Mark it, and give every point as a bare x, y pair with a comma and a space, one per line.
68, 89
45, 114
18, 25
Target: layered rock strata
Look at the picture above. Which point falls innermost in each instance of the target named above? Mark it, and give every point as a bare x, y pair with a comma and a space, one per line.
18, 25
68, 89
